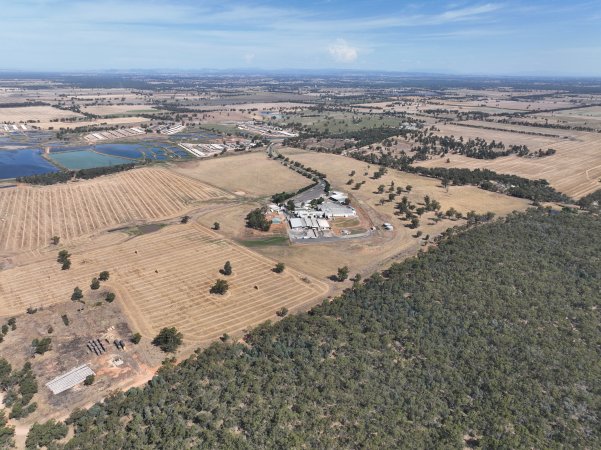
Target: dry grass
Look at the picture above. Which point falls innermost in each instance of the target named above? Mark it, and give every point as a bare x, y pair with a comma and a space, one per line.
366, 255
574, 170
92, 123
163, 279
250, 173
106, 110
41, 113
30, 216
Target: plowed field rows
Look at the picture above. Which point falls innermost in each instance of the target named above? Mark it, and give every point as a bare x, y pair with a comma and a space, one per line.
163, 279
30, 216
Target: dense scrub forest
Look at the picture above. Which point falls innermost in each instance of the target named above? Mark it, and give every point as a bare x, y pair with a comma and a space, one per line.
489, 341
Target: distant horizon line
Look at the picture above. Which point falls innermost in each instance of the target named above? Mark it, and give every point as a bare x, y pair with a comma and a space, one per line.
289, 71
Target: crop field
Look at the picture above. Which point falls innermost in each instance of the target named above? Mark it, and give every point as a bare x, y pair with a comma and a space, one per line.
41, 113
108, 110
92, 123
30, 216
589, 117
250, 173
574, 170
340, 122
163, 279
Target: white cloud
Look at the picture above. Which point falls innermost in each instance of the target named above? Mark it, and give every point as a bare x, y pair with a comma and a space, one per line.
342, 52
249, 58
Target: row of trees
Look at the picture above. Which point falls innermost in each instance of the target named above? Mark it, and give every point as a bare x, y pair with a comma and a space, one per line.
64, 176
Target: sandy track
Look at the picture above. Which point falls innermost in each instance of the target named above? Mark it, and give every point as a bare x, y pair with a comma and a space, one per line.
163, 279
30, 216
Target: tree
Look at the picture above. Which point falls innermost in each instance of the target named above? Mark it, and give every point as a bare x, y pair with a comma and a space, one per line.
185, 219
408, 188
290, 205
110, 297
279, 267
43, 435
220, 287
168, 339
41, 346
77, 294
63, 258
342, 273
136, 338
216, 226
89, 380
414, 222
256, 220
282, 312
227, 268
55, 240
104, 275
95, 284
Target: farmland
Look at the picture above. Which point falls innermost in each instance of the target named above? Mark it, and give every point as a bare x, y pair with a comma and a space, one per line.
34, 113
253, 174
32, 215
574, 170
165, 230
163, 279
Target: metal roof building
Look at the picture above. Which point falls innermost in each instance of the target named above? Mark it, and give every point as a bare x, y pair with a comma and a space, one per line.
69, 379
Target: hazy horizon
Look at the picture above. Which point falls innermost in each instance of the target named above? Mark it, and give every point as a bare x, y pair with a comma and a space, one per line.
505, 38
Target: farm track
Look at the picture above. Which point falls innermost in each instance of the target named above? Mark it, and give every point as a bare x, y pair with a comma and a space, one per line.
30, 216
163, 279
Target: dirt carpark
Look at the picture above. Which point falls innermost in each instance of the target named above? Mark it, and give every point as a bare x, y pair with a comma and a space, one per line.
574, 170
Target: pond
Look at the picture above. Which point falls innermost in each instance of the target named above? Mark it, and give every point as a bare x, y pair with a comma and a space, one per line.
86, 159
23, 162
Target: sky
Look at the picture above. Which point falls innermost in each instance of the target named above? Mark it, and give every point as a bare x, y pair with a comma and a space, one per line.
452, 37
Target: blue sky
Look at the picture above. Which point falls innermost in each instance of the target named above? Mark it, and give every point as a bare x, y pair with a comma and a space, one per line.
460, 37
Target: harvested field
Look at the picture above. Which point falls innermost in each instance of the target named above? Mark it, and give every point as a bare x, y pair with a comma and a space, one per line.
92, 123
31, 215
35, 113
574, 170
107, 110
163, 279
250, 173
508, 138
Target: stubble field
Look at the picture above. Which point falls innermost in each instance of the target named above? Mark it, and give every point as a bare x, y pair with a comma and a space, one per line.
574, 170
163, 279
30, 216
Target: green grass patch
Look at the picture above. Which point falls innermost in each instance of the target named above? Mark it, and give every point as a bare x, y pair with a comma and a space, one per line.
274, 240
